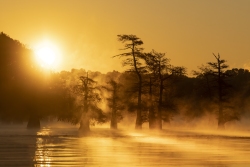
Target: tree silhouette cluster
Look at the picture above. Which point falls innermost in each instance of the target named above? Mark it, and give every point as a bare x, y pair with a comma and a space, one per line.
151, 89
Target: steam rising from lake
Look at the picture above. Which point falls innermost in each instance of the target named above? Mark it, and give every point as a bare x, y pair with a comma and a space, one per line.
104, 147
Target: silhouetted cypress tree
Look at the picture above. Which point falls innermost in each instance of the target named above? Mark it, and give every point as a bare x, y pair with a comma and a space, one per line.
159, 66
132, 59
114, 102
217, 83
89, 97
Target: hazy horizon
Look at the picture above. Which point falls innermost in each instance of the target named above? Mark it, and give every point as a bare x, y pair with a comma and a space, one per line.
85, 32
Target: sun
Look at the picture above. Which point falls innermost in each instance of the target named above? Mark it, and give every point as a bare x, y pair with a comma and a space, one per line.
46, 54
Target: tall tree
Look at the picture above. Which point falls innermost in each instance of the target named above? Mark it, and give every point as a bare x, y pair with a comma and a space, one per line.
151, 114
114, 102
133, 59
151, 85
89, 96
160, 67
220, 76
218, 85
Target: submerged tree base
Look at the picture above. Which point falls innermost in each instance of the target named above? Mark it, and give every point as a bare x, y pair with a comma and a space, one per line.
113, 124
84, 127
152, 122
138, 126
221, 126
34, 122
84, 131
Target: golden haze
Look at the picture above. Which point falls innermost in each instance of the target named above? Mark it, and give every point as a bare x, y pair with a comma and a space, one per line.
85, 31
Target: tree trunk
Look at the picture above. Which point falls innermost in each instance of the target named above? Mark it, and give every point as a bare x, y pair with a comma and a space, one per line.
138, 124
151, 119
84, 124
34, 122
221, 125
113, 123
151, 114
159, 117
221, 120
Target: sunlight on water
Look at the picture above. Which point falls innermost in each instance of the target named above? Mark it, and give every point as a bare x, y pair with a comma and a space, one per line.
42, 155
44, 132
63, 147
208, 151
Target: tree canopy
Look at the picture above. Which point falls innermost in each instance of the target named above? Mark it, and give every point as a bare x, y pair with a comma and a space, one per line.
150, 90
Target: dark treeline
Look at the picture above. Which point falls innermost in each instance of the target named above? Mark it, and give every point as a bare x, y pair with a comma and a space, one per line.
152, 90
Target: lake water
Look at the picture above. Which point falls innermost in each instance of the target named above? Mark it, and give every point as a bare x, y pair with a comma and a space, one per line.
51, 147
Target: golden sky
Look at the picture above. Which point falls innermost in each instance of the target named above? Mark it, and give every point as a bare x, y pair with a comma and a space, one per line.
85, 31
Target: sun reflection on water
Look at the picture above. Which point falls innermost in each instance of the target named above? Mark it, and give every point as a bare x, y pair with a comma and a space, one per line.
44, 131
43, 152
103, 148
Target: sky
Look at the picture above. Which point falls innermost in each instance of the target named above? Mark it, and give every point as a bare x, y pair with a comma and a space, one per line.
85, 31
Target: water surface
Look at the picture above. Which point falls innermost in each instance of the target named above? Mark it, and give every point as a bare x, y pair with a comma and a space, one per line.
51, 147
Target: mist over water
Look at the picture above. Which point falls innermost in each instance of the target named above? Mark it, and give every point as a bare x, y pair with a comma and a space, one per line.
53, 146
153, 94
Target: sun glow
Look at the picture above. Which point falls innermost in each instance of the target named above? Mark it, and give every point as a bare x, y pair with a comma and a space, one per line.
47, 54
